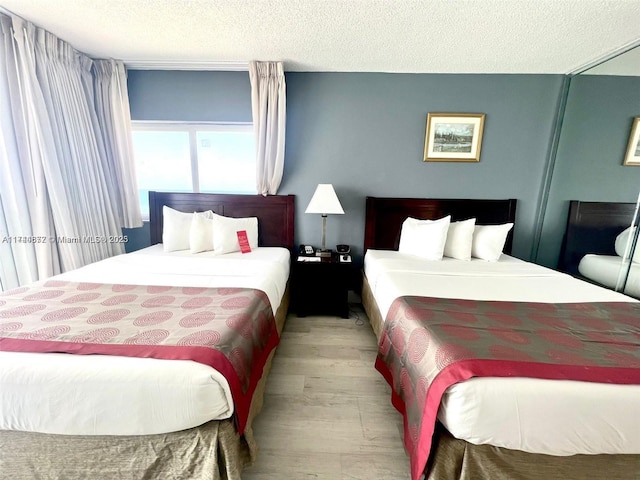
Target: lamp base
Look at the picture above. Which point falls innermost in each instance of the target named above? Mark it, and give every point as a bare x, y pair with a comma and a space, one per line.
324, 253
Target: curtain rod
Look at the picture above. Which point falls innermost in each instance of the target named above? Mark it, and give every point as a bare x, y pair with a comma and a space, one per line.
186, 65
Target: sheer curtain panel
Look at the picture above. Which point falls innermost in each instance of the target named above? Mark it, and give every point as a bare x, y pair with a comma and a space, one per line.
62, 204
268, 104
114, 119
25, 211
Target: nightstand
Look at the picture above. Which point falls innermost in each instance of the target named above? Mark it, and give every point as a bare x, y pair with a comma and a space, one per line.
321, 288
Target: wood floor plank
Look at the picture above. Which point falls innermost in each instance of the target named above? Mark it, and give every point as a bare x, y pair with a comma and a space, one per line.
347, 385
366, 466
278, 464
324, 407
327, 412
323, 366
283, 384
340, 352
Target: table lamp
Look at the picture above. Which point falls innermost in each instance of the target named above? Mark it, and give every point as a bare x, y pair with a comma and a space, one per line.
325, 202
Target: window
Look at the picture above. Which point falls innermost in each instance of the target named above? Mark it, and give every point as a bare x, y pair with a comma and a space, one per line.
188, 157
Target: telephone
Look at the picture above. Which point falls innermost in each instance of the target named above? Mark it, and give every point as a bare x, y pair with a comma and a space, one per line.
306, 250
344, 253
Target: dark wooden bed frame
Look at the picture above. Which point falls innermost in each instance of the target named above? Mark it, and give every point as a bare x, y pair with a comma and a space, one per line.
457, 459
275, 213
592, 227
384, 216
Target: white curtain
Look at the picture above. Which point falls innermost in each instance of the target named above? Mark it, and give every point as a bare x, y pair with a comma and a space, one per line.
114, 118
268, 104
24, 142
60, 207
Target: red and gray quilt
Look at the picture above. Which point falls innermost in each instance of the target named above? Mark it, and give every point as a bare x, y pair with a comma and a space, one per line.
429, 344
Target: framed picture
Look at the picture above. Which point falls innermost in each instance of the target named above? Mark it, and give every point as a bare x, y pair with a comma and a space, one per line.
453, 137
633, 149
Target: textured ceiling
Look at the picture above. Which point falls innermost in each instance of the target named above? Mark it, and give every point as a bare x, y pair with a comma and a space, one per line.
431, 36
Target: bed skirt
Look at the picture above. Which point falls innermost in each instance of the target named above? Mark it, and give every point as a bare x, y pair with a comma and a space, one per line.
456, 459
212, 451
371, 308
209, 452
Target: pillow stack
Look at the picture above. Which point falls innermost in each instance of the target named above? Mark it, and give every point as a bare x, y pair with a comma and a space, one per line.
205, 231
433, 239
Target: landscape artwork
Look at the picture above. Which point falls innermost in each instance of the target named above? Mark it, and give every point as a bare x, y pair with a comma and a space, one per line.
453, 137
633, 148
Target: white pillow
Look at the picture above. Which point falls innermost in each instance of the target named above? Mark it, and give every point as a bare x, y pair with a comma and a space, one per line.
201, 233
460, 239
489, 240
424, 238
225, 238
621, 244
176, 227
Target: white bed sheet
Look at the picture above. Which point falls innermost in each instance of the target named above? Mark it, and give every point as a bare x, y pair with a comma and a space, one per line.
605, 269
87, 394
541, 412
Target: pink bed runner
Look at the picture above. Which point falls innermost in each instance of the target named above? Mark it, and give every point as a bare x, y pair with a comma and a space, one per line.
429, 344
230, 329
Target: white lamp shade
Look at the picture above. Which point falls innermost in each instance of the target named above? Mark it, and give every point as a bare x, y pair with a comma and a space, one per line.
324, 201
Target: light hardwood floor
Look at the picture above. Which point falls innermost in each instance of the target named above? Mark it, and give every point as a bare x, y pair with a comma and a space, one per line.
327, 412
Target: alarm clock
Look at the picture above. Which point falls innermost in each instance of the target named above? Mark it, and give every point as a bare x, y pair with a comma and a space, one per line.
343, 253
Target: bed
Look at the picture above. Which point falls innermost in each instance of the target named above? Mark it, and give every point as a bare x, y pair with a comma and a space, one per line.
609, 271
101, 414
590, 250
500, 423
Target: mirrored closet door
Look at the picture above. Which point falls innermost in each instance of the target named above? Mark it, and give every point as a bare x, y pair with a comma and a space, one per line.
595, 178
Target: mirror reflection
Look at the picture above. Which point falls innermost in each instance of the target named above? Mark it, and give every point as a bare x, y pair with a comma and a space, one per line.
591, 203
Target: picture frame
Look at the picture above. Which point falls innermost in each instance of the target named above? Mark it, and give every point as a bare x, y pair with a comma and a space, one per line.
632, 157
453, 137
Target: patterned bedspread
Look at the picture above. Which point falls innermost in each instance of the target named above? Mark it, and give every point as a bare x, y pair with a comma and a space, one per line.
231, 329
429, 344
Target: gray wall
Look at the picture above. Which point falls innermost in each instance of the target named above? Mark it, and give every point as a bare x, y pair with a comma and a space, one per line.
593, 143
189, 96
364, 133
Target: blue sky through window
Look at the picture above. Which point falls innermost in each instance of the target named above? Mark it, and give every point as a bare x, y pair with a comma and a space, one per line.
223, 159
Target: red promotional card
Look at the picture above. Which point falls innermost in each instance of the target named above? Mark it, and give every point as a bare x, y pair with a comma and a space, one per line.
243, 241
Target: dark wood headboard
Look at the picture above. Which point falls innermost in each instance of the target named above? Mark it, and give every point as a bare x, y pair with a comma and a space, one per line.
275, 213
384, 216
592, 227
